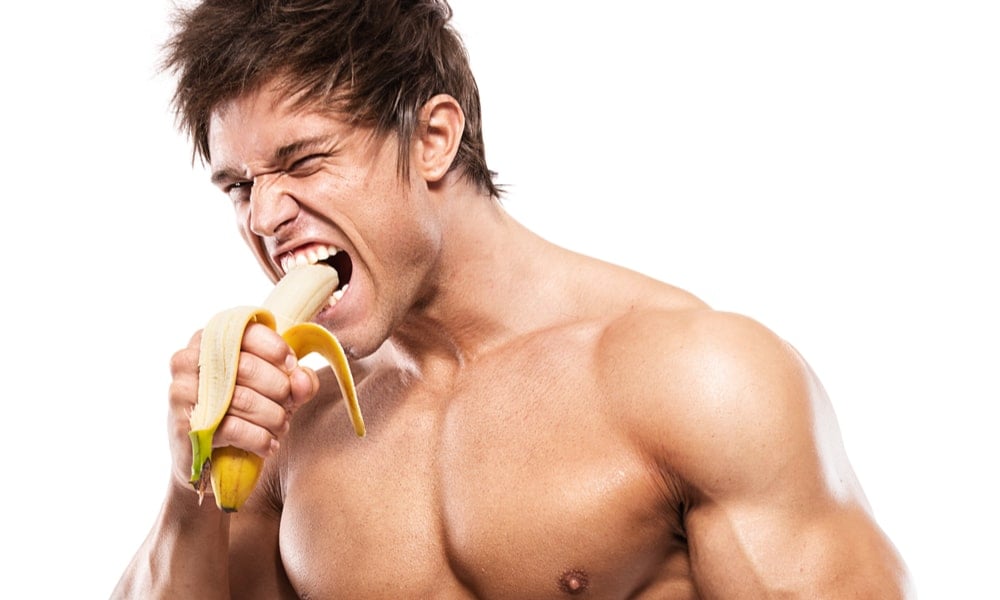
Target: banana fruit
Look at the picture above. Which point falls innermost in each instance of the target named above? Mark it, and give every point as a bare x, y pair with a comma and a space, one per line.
288, 308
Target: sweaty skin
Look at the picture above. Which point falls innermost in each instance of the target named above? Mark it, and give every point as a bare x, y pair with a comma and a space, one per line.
541, 424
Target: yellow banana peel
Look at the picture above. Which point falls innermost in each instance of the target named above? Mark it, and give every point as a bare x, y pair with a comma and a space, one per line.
288, 308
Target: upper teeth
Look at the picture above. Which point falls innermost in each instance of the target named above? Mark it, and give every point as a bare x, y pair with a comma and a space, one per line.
309, 256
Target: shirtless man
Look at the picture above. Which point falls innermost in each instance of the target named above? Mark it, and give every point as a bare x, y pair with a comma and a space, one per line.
540, 424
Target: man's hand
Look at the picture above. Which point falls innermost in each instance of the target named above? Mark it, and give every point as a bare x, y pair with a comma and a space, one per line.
270, 387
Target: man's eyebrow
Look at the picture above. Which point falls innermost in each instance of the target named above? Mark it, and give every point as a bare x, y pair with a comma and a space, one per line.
225, 175
297, 146
282, 154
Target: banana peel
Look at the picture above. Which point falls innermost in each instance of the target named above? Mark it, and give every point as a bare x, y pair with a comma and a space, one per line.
288, 308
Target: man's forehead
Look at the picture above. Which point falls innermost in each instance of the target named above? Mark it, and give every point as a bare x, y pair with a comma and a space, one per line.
272, 101
272, 117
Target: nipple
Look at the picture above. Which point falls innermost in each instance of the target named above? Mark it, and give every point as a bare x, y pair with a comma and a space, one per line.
573, 582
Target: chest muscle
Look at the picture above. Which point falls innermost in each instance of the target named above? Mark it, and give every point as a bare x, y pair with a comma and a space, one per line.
523, 489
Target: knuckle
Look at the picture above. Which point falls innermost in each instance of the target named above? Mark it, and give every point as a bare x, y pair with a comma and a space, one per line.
256, 409
249, 367
244, 400
238, 432
182, 395
265, 342
183, 361
179, 425
283, 390
179, 392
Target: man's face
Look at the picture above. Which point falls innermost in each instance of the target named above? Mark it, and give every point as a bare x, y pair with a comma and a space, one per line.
304, 184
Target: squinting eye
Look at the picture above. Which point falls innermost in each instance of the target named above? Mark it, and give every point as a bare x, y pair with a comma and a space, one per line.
306, 163
239, 190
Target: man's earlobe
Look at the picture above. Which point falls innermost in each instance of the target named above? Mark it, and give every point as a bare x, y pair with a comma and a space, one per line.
439, 135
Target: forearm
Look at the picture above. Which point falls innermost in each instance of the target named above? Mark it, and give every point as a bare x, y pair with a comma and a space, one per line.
185, 555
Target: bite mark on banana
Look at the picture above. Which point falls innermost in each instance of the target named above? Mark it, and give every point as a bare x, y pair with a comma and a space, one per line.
288, 308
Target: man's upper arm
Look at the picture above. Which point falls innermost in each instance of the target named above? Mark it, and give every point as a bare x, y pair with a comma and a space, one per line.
255, 566
774, 506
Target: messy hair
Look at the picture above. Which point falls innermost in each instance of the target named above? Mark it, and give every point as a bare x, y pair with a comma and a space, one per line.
375, 61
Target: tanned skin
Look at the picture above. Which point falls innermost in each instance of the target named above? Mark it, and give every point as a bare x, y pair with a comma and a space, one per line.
541, 424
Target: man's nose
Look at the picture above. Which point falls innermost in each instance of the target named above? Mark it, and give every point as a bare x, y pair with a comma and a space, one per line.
271, 206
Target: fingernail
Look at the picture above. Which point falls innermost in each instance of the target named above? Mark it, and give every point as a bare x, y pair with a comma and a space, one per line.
291, 362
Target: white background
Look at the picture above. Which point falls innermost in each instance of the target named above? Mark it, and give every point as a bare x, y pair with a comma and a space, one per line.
830, 169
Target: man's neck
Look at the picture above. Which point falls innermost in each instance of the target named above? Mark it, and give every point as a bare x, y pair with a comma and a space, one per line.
495, 280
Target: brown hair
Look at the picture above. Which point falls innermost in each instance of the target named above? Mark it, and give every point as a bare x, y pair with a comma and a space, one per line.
377, 61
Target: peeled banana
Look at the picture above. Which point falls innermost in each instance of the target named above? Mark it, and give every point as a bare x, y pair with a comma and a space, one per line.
288, 308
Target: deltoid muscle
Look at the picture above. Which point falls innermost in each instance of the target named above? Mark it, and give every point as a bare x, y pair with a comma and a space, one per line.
291, 304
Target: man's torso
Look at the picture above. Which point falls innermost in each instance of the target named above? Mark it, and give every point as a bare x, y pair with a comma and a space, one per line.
511, 476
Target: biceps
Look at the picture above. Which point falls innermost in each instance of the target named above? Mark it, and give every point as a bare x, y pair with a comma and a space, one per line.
761, 549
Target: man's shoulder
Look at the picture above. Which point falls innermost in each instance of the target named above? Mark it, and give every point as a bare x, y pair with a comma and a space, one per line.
664, 336
690, 380
687, 334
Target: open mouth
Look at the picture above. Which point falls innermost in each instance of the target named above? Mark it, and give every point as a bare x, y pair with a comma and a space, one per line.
330, 255
341, 263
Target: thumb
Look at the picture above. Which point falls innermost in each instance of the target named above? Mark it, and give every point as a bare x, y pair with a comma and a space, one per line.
305, 384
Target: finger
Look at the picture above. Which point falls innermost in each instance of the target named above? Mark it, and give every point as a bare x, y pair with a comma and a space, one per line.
184, 361
264, 342
263, 377
195, 340
304, 384
234, 431
182, 394
178, 418
183, 391
249, 405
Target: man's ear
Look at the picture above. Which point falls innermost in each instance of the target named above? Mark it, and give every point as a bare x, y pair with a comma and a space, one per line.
438, 135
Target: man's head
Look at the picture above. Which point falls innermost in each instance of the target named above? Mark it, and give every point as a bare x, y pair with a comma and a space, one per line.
374, 61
